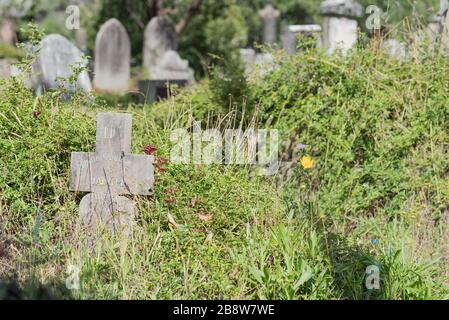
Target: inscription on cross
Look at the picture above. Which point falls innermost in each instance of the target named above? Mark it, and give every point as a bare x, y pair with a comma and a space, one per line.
109, 173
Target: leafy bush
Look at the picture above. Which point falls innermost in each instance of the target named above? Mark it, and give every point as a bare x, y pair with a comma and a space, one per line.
376, 126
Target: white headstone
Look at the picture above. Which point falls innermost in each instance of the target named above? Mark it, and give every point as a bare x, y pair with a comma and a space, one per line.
159, 37
160, 59
112, 58
55, 61
340, 29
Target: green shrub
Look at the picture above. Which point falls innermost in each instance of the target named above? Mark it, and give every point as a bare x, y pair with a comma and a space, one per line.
9, 52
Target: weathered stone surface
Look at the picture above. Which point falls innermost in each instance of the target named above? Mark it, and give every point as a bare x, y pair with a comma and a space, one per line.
270, 17
159, 37
348, 8
107, 212
112, 168
55, 61
112, 58
160, 59
339, 33
109, 173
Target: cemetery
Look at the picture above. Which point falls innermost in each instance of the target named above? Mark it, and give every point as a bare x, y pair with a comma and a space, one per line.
243, 150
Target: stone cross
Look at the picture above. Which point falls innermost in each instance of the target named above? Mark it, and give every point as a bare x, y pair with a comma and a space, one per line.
112, 58
270, 17
340, 29
109, 173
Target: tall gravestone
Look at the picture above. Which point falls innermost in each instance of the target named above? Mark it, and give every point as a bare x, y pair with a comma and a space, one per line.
162, 65
340, 29
159, 37
108, 174
112, 58
292, 32
55, 61
270, 17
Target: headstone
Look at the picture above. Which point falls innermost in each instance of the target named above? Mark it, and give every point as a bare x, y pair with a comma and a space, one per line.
162, 65
292, 32
112, 58
159, 37
108, 174
248, 57
340, 30
55, 61
270, 17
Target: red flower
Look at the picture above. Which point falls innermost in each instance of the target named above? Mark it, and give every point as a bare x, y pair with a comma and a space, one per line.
171, 191
150, 150
170, 200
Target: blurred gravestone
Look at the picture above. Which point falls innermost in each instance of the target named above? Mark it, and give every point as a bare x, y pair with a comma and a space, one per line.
162, 65
55, 61
112, 58
159, 37
340, 30
270, 17
292, 32
108, 174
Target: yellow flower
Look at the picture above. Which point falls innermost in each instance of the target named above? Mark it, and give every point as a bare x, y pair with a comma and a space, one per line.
307, 162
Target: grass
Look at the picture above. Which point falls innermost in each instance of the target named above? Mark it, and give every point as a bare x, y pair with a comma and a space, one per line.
376, 195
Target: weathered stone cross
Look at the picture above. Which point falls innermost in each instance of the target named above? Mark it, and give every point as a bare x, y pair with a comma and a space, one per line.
110, 172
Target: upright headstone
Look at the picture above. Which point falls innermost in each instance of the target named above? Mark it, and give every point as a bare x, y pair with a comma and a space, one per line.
270, 17
159, 37
162, 65
292, 32
108, 174
112, 58
56, 60
340, 30
248, 57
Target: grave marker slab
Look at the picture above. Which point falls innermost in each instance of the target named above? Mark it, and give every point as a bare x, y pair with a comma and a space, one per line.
112, 58
340, 28
55, 60
109, 173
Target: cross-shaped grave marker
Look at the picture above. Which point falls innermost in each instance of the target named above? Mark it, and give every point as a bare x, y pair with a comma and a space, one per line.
109, 173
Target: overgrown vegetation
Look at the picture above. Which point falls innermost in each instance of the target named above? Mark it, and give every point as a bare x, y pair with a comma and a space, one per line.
377, 194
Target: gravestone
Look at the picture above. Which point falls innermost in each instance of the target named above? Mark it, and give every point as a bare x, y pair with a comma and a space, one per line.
340, 30
55, 61
292, 32
248, 57
270, 17
159, 37
112, 58
109, 173
162, 65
